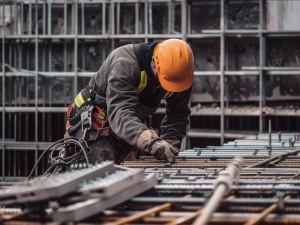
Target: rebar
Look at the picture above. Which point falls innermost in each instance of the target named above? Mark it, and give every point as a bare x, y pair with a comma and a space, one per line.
222, 187
293, 152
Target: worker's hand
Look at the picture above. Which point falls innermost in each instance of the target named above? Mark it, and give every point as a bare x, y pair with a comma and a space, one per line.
159, 148
163, 150
174, 142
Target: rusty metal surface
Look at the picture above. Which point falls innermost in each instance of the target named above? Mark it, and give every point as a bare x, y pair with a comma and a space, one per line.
264, 191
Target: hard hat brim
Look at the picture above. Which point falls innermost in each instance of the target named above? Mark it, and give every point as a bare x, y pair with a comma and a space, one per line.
176, 86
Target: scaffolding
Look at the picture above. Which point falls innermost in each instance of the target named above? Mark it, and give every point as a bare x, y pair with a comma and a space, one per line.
246, 65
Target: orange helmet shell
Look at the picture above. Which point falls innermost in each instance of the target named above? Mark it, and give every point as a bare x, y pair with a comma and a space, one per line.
174, 63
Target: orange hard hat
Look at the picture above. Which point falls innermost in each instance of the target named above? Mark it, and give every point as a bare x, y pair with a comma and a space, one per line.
174, 64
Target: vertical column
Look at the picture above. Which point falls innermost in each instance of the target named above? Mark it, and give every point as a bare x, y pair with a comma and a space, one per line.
185, 142
82, 20
112, 22
44, 20
222, 57
65, 20
36, 80
136, 31
27, 88
44, 121
21, 28
171, 17
49, 26
65, 43
184, 20
76, 47
118, 17
19, 31
261, 64
49, 46
3, 93
146, 17
16, 15
150, 24
111, 18
103, 18
29, 27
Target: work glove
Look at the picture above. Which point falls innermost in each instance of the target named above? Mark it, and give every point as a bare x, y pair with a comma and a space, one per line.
163, 150
174, 142
159, 148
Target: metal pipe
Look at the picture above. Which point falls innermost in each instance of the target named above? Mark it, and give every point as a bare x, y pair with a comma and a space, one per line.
184, 20
3, 93
238, 201
270, 133
222, 55
279, 136
222, 187
146, 22
264, 162
170, 18
212, 205
261, 64
136, 30
103, 18
36, 83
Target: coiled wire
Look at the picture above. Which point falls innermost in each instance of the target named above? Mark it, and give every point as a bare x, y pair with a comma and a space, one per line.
63, 159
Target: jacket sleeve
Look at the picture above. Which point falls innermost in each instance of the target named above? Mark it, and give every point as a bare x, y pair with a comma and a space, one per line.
174, 124
122, 98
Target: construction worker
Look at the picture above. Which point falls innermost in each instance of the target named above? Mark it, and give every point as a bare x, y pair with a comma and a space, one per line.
128, 88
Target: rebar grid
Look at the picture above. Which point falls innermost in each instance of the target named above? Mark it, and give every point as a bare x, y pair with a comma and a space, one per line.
263, 189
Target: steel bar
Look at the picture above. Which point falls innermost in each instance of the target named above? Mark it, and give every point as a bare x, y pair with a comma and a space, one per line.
293, 152
3, 117
218, 218
238, 218
140, 215
222, 187
253, 192
264, 214
186, 219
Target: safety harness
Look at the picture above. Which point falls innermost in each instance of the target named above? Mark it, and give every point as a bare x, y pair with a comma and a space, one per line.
88, 112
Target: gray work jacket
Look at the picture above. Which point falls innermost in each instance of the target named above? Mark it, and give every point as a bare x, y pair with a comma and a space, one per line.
118, 80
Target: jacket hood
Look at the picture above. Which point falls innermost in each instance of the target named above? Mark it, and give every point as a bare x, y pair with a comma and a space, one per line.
144, 56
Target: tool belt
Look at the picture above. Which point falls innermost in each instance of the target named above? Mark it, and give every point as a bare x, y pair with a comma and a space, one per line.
89, 123
86, 117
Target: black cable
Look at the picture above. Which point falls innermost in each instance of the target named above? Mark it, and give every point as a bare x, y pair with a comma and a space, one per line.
59, 161
35, 165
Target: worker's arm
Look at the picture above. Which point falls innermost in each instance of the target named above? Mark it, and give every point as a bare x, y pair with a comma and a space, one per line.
174, 124
122, 98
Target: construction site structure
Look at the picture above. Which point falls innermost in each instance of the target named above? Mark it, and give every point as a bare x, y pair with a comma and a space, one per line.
246, 65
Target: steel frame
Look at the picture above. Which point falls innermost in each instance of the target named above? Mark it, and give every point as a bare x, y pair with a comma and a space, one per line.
14, 44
